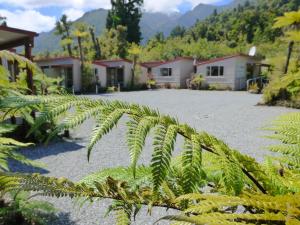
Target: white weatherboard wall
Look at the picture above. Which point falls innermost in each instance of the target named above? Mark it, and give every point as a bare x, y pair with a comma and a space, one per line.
228, 79
235, 72
102, 72
181, 70
74, 63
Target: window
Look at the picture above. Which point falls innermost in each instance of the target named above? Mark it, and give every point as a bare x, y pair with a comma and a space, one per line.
166, 72
208, 71
215, 71
221, 70
149, 70
96, 72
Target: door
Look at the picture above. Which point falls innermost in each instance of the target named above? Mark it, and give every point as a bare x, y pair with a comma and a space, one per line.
115, 76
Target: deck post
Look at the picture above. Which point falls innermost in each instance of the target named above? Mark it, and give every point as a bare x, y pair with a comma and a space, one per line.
29, 79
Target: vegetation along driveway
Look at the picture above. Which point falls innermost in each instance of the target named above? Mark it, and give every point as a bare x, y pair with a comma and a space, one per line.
231, 116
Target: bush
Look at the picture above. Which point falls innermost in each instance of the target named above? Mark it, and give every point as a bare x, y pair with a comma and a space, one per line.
283, 90
21, 210
197, 82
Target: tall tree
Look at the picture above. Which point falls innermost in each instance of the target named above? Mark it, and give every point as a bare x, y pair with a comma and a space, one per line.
126, 13
63, 28
80, 32
178, 31
113, 43
3, 21
95, 43
134, 52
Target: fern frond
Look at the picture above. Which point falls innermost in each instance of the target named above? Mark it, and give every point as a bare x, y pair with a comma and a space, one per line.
138, 130
164, 140
108, 122
192, 164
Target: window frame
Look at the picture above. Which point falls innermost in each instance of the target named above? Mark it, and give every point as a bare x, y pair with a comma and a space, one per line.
169, 71
220, 70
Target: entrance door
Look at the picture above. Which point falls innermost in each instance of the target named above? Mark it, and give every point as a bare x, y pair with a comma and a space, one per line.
67, 74
115, 76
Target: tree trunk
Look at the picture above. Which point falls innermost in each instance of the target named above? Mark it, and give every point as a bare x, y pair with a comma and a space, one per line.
96, 46
69, 45
80, 51
133, 71
290, 50
70, 50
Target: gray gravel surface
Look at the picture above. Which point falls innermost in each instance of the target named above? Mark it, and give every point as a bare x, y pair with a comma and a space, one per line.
231, 116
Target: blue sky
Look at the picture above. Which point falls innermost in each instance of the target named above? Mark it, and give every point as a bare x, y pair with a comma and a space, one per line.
40, 15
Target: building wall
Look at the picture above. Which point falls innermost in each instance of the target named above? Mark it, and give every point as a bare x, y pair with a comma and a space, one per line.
227, 80
77, 77
53, 72
101, 74
187, 69
235, 72
181, 70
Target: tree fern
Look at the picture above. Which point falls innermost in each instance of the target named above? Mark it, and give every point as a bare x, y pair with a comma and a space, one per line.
8, 147
167, 129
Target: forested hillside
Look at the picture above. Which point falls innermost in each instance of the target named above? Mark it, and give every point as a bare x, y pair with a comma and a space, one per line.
227, 32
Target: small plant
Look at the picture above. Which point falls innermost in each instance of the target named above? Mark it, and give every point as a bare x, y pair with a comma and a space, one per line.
20, 209
253, 88
151, 83
197, 81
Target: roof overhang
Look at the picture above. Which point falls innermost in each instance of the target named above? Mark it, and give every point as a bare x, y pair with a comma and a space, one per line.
13, 37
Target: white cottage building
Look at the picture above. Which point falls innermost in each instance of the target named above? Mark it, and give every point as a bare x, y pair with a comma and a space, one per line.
173, 73
116, 73
66, 67
231, 71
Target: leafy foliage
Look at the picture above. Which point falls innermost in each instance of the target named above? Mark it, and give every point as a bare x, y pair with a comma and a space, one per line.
8, 147
127, 14
206, 167
21, 209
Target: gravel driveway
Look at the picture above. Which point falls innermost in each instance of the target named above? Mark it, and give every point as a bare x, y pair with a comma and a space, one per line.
231, 116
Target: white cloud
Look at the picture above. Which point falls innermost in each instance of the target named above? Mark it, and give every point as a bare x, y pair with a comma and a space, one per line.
73, 14
28, 20
149, 5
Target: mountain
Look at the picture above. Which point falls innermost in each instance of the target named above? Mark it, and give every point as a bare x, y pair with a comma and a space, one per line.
151, 23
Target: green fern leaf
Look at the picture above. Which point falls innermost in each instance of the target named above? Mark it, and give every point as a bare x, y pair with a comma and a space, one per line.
108, 122
164, 140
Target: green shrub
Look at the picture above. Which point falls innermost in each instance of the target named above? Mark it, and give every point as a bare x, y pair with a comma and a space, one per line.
20, 209
197, 81
283, 90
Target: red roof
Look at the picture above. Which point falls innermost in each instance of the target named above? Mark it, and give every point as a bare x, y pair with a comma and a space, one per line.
159, 63
223, 58
56, 58
105, 63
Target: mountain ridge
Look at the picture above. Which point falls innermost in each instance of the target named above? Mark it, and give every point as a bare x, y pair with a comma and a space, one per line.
150, 24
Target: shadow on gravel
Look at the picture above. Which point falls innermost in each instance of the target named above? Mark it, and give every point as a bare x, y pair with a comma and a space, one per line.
40, 152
